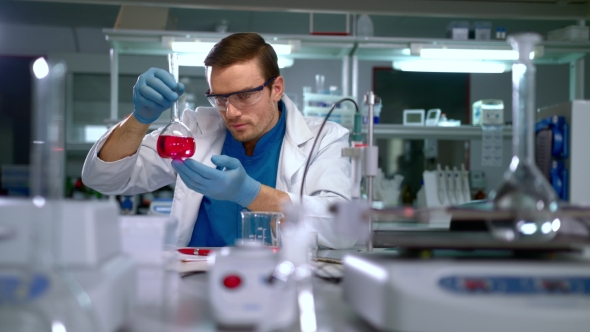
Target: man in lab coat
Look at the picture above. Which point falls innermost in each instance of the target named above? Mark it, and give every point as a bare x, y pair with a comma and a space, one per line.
251, 149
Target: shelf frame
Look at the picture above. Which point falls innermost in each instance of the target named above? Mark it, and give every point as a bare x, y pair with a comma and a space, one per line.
349, 49
461, 133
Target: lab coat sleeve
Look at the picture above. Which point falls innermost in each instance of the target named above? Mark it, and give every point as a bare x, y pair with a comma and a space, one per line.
327, 182
142, 172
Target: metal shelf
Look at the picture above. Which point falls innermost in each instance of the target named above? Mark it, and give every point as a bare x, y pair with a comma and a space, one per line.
148, 42
442, 133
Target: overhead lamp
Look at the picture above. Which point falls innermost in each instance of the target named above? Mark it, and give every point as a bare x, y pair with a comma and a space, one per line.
192, 46
446, 53
285, 62
206, 46
198, 60
192, 60
448, 66
465, 52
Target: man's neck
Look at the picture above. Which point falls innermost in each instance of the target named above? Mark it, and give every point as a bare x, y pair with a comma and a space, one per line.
250, 146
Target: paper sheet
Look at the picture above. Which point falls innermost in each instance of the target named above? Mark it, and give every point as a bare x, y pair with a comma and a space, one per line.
192, 263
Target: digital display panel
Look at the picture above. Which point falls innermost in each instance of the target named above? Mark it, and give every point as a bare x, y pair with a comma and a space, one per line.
413, 117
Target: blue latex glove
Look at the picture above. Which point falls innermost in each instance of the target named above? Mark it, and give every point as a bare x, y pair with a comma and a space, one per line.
229, 184
154, 92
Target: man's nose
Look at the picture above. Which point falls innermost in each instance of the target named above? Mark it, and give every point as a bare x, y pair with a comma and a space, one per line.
232, 112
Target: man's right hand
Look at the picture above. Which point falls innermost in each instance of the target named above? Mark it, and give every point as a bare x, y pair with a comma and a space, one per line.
154, 92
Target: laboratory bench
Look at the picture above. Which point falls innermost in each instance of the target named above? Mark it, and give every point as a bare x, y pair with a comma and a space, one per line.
186, 306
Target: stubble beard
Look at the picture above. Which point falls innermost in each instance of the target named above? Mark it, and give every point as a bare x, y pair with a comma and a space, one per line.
255, 131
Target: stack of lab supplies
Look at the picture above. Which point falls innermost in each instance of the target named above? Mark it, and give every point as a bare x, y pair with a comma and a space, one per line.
443, 188
60, 252
151, 242
315, 104
61, 265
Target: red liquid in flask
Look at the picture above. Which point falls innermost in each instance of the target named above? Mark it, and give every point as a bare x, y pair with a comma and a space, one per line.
175, 147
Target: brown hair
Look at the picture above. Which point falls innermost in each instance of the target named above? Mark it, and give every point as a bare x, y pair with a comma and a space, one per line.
244, 46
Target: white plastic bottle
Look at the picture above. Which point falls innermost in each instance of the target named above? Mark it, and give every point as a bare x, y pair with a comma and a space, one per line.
364, 26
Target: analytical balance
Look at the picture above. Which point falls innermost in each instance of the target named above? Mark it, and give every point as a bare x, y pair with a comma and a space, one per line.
467, 281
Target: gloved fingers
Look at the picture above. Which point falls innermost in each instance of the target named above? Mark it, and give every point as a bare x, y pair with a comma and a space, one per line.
188, 181
162, 88
144, 102
226, 161
154, 96
190, 178
180, 89
202, 170
166, 78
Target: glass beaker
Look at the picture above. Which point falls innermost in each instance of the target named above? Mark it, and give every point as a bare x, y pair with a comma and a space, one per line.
525, 191
263, 227
175, 141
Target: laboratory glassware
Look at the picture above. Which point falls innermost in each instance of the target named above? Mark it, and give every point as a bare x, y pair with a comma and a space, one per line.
175, 141
524, 191
319, 83
263, 227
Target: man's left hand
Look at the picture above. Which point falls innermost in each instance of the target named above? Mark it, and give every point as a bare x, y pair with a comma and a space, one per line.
230, 184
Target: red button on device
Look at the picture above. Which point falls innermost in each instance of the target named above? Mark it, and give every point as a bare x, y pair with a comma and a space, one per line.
232, 281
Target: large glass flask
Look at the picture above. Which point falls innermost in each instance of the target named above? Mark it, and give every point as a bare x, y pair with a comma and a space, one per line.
175, 141
525, 191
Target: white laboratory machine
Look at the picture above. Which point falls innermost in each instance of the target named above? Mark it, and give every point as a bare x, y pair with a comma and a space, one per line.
90, 282
61, 263
240, 286
454, 283
414, 117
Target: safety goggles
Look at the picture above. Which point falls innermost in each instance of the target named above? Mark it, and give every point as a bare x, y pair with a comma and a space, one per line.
239, 99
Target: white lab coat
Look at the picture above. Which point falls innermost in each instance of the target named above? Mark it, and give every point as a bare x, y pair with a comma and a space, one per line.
328, 178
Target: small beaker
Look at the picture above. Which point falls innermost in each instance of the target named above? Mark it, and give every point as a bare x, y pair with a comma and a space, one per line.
263, 227
319, 83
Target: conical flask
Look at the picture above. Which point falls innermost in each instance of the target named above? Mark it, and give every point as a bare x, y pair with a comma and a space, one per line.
175, 141
525, 190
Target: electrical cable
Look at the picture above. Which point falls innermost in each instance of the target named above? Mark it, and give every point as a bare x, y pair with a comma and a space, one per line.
316, 140
331, 279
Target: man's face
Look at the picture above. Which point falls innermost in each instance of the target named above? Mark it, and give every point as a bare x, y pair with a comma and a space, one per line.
250, 123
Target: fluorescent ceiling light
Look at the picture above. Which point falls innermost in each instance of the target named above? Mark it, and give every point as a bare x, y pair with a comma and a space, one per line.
192, 60
281, 49
285, 62
447, 66
205, 47
452, 53
198, 60
93, 132
192, 47
468, 54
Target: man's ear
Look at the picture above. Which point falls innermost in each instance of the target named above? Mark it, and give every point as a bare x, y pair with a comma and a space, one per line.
278, 88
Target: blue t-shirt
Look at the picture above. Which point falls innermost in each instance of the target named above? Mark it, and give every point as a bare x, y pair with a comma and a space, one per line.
219, 222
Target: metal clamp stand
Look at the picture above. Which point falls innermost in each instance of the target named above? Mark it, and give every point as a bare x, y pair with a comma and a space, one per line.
364, 163
371, 155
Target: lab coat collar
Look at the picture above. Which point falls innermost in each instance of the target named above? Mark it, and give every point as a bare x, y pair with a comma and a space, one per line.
297, 129
294, 151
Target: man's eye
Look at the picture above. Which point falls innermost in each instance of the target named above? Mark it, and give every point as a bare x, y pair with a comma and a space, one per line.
245, 95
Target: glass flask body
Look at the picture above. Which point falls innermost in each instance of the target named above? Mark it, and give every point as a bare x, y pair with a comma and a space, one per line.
525, 190
175, 140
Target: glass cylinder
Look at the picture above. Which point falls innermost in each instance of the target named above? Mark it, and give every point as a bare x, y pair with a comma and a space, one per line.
525, 190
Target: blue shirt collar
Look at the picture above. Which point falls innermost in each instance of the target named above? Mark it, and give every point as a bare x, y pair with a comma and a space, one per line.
266, 140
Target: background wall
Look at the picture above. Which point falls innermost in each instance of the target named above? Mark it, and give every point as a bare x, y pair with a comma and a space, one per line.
74, 32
